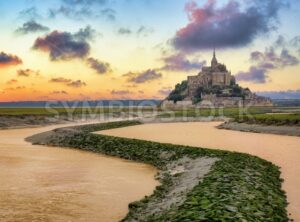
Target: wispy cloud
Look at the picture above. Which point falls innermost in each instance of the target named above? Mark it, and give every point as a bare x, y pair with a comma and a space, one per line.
143, 77
27, 73
76, 84
60, 80
179, 62
165, 91
144, 31
31, 27
124, 31
254, 74
69, 82
83, 9
265, 62
62, 92
30, 14
87, 33
99, 66
12, 82
109, 14
120, 92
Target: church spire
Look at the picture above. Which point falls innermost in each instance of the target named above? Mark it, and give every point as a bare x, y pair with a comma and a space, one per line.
214, 61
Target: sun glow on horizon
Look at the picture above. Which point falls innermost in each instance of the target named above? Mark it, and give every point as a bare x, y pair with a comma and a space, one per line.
139, 49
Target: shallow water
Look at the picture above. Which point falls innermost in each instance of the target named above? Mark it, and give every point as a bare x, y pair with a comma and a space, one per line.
284, 151
39, 183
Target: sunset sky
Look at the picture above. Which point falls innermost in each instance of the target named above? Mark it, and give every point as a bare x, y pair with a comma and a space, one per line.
139, 49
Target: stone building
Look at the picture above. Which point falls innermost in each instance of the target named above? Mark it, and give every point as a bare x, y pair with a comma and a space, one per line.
214, 75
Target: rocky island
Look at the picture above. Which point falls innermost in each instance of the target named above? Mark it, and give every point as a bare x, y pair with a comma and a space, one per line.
214, 86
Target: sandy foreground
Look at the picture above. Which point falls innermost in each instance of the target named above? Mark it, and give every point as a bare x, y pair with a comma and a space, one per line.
40, 183
283, 151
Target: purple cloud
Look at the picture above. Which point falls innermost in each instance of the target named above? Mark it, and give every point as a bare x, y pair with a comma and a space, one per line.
76, 84
59, 92
265, 62
255, 75
98, 66
27, 72
120, 92
9, 60
60, 80
231, 25
62, 46
68, 82
165, 91
271, 59
178, 62
142, 77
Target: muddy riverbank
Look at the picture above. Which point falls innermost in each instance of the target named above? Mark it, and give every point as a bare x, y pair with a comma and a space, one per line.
256, 128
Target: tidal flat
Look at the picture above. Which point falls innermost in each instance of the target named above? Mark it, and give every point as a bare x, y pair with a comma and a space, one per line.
238, 187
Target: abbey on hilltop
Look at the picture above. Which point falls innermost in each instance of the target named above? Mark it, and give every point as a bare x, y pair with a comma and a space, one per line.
214, 75
213, 86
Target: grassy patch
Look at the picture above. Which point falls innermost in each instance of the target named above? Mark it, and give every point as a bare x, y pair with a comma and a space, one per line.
216, 112
239, 187
271, 119
64, 111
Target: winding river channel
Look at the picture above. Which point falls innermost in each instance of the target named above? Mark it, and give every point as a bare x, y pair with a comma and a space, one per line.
39, 183
284, 151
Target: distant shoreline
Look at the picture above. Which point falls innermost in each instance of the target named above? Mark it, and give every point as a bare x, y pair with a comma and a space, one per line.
62, 104
256, 128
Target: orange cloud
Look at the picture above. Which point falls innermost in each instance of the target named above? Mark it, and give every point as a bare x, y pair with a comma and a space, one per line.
27, 72
12, 81
69, 82
9, 60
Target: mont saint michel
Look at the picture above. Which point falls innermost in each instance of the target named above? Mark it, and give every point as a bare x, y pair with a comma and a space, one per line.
150, 111
213, 86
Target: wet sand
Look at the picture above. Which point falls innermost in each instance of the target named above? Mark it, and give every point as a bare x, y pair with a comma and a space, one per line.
283, 151
41, 183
